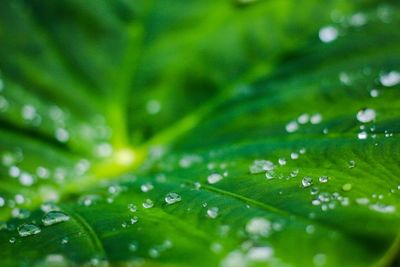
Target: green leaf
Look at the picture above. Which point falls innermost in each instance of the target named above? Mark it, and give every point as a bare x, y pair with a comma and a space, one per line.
197, 133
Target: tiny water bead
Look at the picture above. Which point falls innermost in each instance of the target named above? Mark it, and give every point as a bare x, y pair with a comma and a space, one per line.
148, 203
323, 179
260, 166
328, 34
362, 135
134, 219
347, 187
28, 230
390, 79
258, 226
212, 212
214, 178
351, 164
132, 207
172, 198
260, 253
366, 115
146, 187
54, 217
306, 181
292, 126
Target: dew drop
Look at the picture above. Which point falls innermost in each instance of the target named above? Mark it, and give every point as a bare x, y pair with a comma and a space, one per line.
306, 181
153, 106
323, 179
134, 219
214, 178
260, 166
212, 212
316, 118
132, 207
258, 226
366, 115
347, 187
133, 246
172, 198
260, 253
390, 79
12, 240
28, 229
374, 93
362, 135
64, 241
61, 135
352, 164
383, 208
292, 126
54, 217
148, 203
28, 112
146, 187
328, 34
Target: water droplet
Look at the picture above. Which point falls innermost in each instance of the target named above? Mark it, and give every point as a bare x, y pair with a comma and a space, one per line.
133, 246
347, 187
383, 208
61, 135
352, 164
54, 217
154, 253
260, 166
2, 202
148, 203
282, 161
212, 212
390, 79
319, 260
134, 219
358, 20
292, 126
323, 179
294, 155
197, 185
362, 135
306, 181
270, 175
146, 187
328, 34
172, 198
42, 172
12, 240
28, 112
374, 93
260, 253
26, 179
294, 173
65, 240
303, 118
153, 106
310, 229
3, 104
214, 178
132, 207
362, 201
316, 118
366, 115
14, 171
28, 229
258, 226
